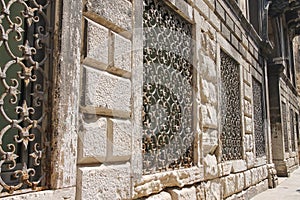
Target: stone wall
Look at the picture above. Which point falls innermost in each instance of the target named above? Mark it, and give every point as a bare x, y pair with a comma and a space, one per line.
98, 106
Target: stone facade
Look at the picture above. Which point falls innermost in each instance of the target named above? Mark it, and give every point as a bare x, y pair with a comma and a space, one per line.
98, 105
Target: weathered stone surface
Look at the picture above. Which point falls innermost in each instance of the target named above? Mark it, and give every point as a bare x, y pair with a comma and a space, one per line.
210, 166
248, 178
247, 77
122, 53
250, 159
93, 140
248, 141
238, 166
120, 133
248, 92
183, 7
203, 8
97, 42
262, 173
207, 68
104, 182
248, 125
208, 92
157, 182
247, 108
209, 116
240, 182
184, 193
209, 141
210, 190
118, 12
208, 45
254, 176
107, 91
229, 185
66, 194
160, 196
225, 168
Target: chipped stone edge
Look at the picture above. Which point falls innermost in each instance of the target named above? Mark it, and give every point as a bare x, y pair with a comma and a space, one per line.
155, 183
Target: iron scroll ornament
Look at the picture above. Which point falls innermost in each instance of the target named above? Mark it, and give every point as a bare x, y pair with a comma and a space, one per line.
231, 136
167, 100
25, 34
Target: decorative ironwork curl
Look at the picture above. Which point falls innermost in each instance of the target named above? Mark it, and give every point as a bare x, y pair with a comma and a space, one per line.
231, 137
167, 115
24, 64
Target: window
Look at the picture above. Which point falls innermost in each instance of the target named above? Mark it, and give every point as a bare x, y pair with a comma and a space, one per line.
284, 125
260, 142
24, 71
254, 14
231, 137
292, 124
167, 115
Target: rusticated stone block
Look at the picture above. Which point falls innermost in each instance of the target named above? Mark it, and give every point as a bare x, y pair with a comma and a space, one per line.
97, 42
208, 92
104, 90
229, 185
238, 166
248, 108
248, 141
210, 167
92, 140
119, 134
210, 190
207, 68
160, 196
122, 53
250, 159
209, 141
118, 12
254, 176
248, 125
240, 182
209, 116
225, 168
104, 182
248, 92
248, 178
184, 193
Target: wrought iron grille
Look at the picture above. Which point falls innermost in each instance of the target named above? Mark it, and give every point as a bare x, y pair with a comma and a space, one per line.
167, 86
231, 137
285, 131
292, 124
260, 142
25, 34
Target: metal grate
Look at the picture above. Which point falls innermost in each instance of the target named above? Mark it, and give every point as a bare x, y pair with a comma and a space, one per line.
285, 131
231, 137
24, 64
292, 124
167, 115
260, 142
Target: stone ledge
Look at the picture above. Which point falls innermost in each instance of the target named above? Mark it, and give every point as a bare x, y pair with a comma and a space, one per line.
104, 182
154, 183
65, 193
